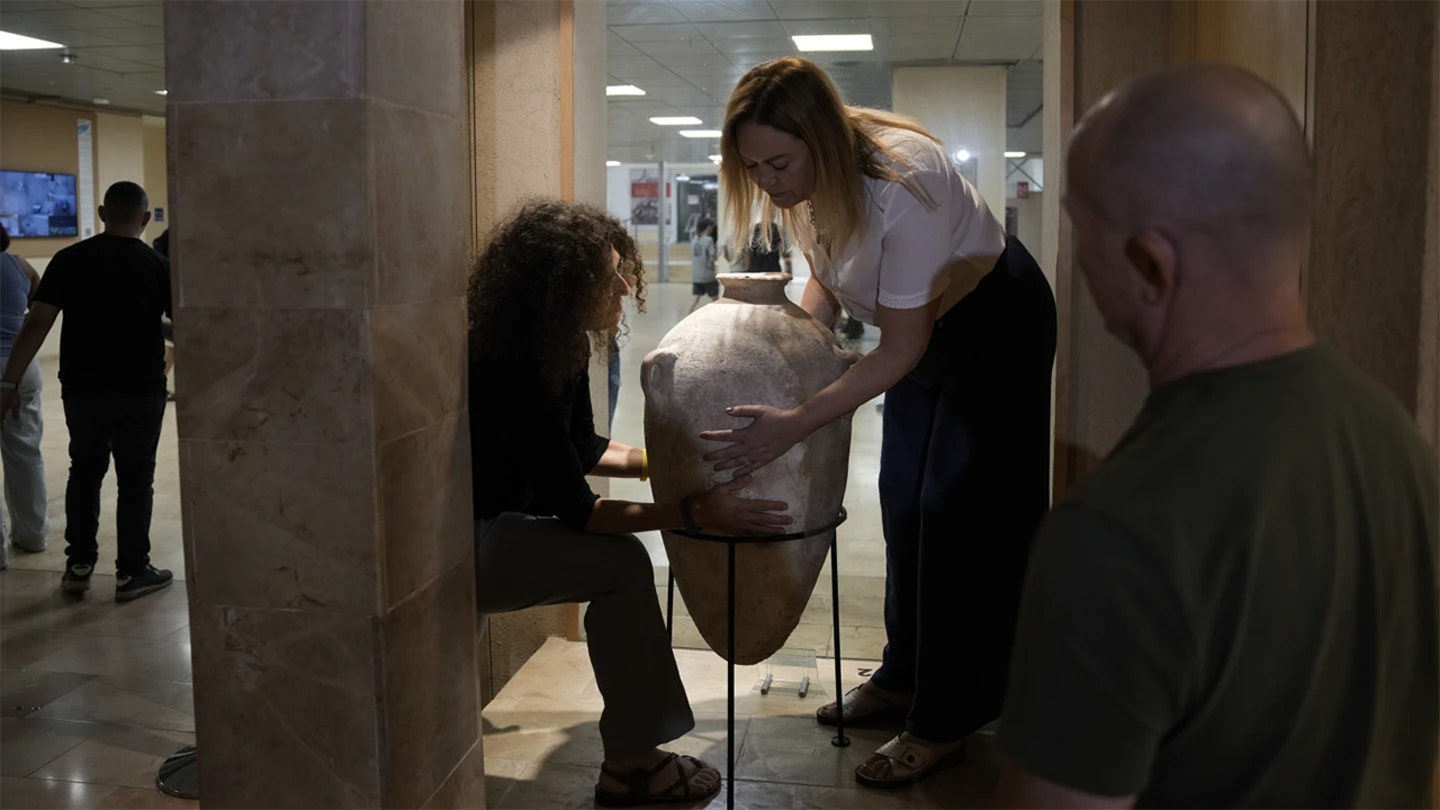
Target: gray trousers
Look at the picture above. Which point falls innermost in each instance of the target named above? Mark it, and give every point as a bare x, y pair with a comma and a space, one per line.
522, 561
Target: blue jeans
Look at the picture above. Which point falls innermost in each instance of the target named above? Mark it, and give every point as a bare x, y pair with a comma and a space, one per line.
24, 466
964, 481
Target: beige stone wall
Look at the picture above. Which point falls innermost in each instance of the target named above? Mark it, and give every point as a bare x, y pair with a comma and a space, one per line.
1099, 383
1372, 275
527, 60
1427, 398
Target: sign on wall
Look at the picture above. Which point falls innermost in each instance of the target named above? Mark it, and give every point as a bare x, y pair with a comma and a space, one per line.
85, 178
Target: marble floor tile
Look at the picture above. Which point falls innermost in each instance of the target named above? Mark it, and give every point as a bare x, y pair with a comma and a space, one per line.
146, 798
798, 750
29, 744
25, 691
115, 755
503, 774
120, 657
128, 701
552, 785
784, 758
48, 794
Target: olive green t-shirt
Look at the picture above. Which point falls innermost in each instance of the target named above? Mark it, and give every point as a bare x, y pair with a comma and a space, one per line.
1239, 608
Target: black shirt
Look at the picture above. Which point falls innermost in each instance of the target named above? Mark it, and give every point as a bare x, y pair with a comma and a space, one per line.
113, 291
530, 447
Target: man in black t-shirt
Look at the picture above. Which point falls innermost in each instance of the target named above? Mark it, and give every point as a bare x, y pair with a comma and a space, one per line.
114, 289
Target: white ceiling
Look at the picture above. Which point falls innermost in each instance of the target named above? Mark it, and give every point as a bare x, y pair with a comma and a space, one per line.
687, 56
120, 45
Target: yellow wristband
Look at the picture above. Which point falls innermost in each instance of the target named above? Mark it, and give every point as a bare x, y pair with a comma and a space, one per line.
644, 465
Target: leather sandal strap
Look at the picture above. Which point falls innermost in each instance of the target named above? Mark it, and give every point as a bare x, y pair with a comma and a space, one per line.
682, 781
912, 755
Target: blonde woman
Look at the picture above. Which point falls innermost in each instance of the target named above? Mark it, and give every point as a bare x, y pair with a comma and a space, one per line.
900, 240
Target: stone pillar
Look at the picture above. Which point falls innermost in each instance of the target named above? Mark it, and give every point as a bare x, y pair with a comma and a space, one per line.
1100, 385
537, 94
1374, 271
319, 243
964, 107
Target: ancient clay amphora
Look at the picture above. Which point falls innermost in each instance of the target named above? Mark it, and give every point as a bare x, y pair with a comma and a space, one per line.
751, 347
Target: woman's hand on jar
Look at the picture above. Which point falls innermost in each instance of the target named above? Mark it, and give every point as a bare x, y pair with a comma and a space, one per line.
723, 511
771, 432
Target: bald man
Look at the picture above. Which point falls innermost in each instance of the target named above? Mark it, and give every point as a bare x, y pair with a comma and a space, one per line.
1238, 608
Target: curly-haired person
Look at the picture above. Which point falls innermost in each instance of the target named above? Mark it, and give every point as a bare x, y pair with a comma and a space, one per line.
548, 289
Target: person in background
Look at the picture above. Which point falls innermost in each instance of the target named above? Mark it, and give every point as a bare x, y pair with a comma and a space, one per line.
899, 238
702, 264
24, 499
548, 288
114, 290
766, 253
1238, 608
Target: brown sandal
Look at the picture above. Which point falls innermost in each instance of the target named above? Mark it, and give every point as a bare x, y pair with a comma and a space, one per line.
638, 780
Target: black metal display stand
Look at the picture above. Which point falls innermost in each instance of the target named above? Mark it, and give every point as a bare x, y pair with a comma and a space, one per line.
839, 740
180, 775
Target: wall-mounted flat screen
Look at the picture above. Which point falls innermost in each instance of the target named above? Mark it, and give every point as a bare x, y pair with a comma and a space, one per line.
38, 204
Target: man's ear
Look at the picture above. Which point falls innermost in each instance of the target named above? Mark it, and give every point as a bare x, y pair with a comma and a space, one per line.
1153, 256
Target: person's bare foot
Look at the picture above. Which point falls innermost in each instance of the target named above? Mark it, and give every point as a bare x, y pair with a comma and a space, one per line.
669, 776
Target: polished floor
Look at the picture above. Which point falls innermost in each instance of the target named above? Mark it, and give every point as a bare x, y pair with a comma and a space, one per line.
542, 747
96, 693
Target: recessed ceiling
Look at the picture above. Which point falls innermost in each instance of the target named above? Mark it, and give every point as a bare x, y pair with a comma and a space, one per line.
687, 56
119, 45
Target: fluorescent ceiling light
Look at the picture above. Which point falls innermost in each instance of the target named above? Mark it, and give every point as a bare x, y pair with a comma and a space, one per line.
676, 121
714, 158
20, 42
834, 42
962, 154
1014, 154
623, 90
699, 133
612, 163
680, 178
162, 92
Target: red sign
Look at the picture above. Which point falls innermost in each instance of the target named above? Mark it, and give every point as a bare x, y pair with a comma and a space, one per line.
1022, 189
645, 189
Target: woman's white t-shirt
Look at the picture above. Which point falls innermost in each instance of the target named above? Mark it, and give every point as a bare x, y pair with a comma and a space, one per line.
908, 255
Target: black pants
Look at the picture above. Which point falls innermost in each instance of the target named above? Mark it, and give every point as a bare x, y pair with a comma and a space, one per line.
964, 481
129, 428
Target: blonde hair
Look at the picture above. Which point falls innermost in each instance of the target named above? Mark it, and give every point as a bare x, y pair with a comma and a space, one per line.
795, 96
